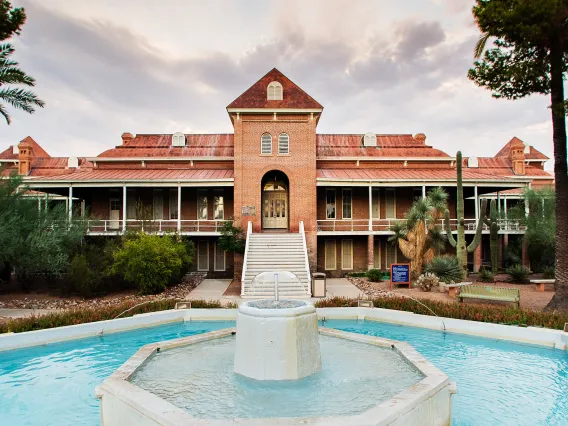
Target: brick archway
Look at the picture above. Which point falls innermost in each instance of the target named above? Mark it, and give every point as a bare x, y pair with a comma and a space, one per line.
275, 201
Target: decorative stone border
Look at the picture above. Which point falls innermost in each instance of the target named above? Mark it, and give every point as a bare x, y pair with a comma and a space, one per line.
427, 402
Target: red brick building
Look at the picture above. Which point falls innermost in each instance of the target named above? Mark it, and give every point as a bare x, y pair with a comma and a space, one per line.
276, 172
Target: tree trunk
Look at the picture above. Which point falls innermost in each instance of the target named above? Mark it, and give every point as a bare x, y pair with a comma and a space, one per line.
560, 299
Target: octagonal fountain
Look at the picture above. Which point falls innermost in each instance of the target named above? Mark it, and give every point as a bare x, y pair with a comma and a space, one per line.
277, 367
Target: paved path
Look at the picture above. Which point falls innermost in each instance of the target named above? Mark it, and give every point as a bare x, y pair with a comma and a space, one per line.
20, 313
209, 289
341, 287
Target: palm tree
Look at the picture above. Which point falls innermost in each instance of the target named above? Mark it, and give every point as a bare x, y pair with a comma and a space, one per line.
10, 74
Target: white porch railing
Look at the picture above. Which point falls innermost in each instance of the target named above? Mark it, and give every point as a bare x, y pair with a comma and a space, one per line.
249, 233
105, 226
306, 258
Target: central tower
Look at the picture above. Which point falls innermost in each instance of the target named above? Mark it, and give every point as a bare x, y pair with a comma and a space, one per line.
275, 157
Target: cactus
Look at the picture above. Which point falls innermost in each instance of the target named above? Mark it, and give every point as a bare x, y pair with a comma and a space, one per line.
459, 243
491, 222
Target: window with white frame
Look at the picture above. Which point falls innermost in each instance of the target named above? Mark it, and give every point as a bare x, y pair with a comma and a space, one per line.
201, 205
219, 257
274, 91
346, 254
390, 204
376, 203
283, 144
266, 144
390, 254
347, 211
377, 254
173, 204
203, 255
330, 255
330, 204
218, 205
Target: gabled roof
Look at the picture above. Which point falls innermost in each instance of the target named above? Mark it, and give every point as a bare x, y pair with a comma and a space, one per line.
37, 150
533, 153
293, 97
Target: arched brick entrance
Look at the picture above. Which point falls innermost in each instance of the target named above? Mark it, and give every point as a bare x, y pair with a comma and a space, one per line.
275, 201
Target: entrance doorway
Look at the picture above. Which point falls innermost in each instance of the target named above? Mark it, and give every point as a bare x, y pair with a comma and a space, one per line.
275, 210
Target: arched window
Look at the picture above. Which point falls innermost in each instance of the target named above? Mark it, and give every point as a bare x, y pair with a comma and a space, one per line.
275, 92
266, 144
283, 144
178, 139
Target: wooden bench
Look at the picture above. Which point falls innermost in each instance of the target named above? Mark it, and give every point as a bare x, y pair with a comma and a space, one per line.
540, 283
501, 294
452, 288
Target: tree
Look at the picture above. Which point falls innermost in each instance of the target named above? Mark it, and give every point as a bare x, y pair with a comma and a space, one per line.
530, 56
232, 238
420, 236
11, 21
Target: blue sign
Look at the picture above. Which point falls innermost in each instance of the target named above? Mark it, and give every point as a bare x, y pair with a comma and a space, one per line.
400, 273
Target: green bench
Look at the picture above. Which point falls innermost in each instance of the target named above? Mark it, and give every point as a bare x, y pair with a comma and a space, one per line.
500, 294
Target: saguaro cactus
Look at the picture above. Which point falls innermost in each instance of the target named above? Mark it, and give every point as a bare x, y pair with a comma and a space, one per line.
494, 235
459, 243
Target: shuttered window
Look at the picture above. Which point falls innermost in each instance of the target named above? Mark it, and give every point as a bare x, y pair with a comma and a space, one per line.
173, 204
266, 144
201, 205
390, 255
130, 204
330, 256
219, 257
377, 254
346, 254
218, 206
390, 203
203, 255
376, 203
346, 202
330, 204
158, 205
283, 144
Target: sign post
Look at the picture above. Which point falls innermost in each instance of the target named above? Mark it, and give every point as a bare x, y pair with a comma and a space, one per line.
400, 274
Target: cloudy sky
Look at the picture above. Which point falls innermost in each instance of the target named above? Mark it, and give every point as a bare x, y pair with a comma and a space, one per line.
105, 67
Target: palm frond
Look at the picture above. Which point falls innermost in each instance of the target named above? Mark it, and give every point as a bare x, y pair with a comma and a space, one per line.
6, 49
480, 45
21, 99
13, 75
5, 114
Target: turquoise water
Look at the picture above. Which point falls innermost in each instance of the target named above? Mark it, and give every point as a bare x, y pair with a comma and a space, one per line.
499, 383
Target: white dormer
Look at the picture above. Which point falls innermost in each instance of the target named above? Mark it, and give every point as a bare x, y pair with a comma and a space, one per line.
15, 149
72, 162
274, 92
472, 162
178, 139
370, 139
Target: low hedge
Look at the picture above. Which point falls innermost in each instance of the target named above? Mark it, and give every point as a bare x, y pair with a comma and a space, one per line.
86, 315
494, 314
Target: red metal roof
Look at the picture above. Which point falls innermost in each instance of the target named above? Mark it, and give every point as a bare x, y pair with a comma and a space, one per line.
333, 145
150, 174
533, 153
293, 97
401, 174
197, 145
37, 150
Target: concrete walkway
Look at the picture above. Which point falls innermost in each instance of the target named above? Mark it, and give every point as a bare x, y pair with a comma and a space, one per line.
20, 313
212, 289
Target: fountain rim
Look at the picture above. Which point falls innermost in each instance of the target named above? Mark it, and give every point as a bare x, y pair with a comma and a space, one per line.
305, 309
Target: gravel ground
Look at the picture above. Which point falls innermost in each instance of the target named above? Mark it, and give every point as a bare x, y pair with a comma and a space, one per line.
530, 297
43, 301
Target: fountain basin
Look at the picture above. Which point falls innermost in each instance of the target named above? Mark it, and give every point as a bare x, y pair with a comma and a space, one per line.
277, 340
424, 401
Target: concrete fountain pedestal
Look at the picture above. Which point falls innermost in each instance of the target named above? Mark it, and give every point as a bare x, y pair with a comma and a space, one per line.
277, 340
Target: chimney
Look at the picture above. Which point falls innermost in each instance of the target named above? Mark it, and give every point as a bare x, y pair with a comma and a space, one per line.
420, 137
518, 157
24, 158
126, 137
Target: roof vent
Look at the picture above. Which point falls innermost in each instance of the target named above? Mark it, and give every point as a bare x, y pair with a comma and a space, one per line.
72, 162
370, 139
15, 149
472, 162
178, 139
527, 149
127, 137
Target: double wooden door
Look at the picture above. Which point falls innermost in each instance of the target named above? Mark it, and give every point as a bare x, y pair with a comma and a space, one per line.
275, 210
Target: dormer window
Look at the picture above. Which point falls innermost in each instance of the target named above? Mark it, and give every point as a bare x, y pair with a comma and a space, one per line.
266, 144
283, 144
178, 139
275, 92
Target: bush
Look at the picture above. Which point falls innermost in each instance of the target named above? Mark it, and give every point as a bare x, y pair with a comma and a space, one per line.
427, 281
518, 274
357, 274
485, 276
232, 238
493, 314
375, 275
81, 277
152, 262
549, 273
447, 268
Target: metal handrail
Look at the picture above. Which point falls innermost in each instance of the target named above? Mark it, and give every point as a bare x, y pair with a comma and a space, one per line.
249, 233
306, 260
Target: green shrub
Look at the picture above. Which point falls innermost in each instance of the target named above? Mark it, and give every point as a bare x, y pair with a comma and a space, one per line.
548, 272
82, 278
518, 274
151, 262
233, 238
375, 275
357, 274
485, 275
509, 315
447, 268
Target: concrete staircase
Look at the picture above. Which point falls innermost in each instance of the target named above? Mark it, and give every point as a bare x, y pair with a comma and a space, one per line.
275, 252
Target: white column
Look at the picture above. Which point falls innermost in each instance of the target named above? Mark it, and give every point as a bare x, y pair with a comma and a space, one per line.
527, 208
179, 208
370, 207
499, 203
476, 202
505, 207
39, 205
423, 191
70, 202
124, 208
